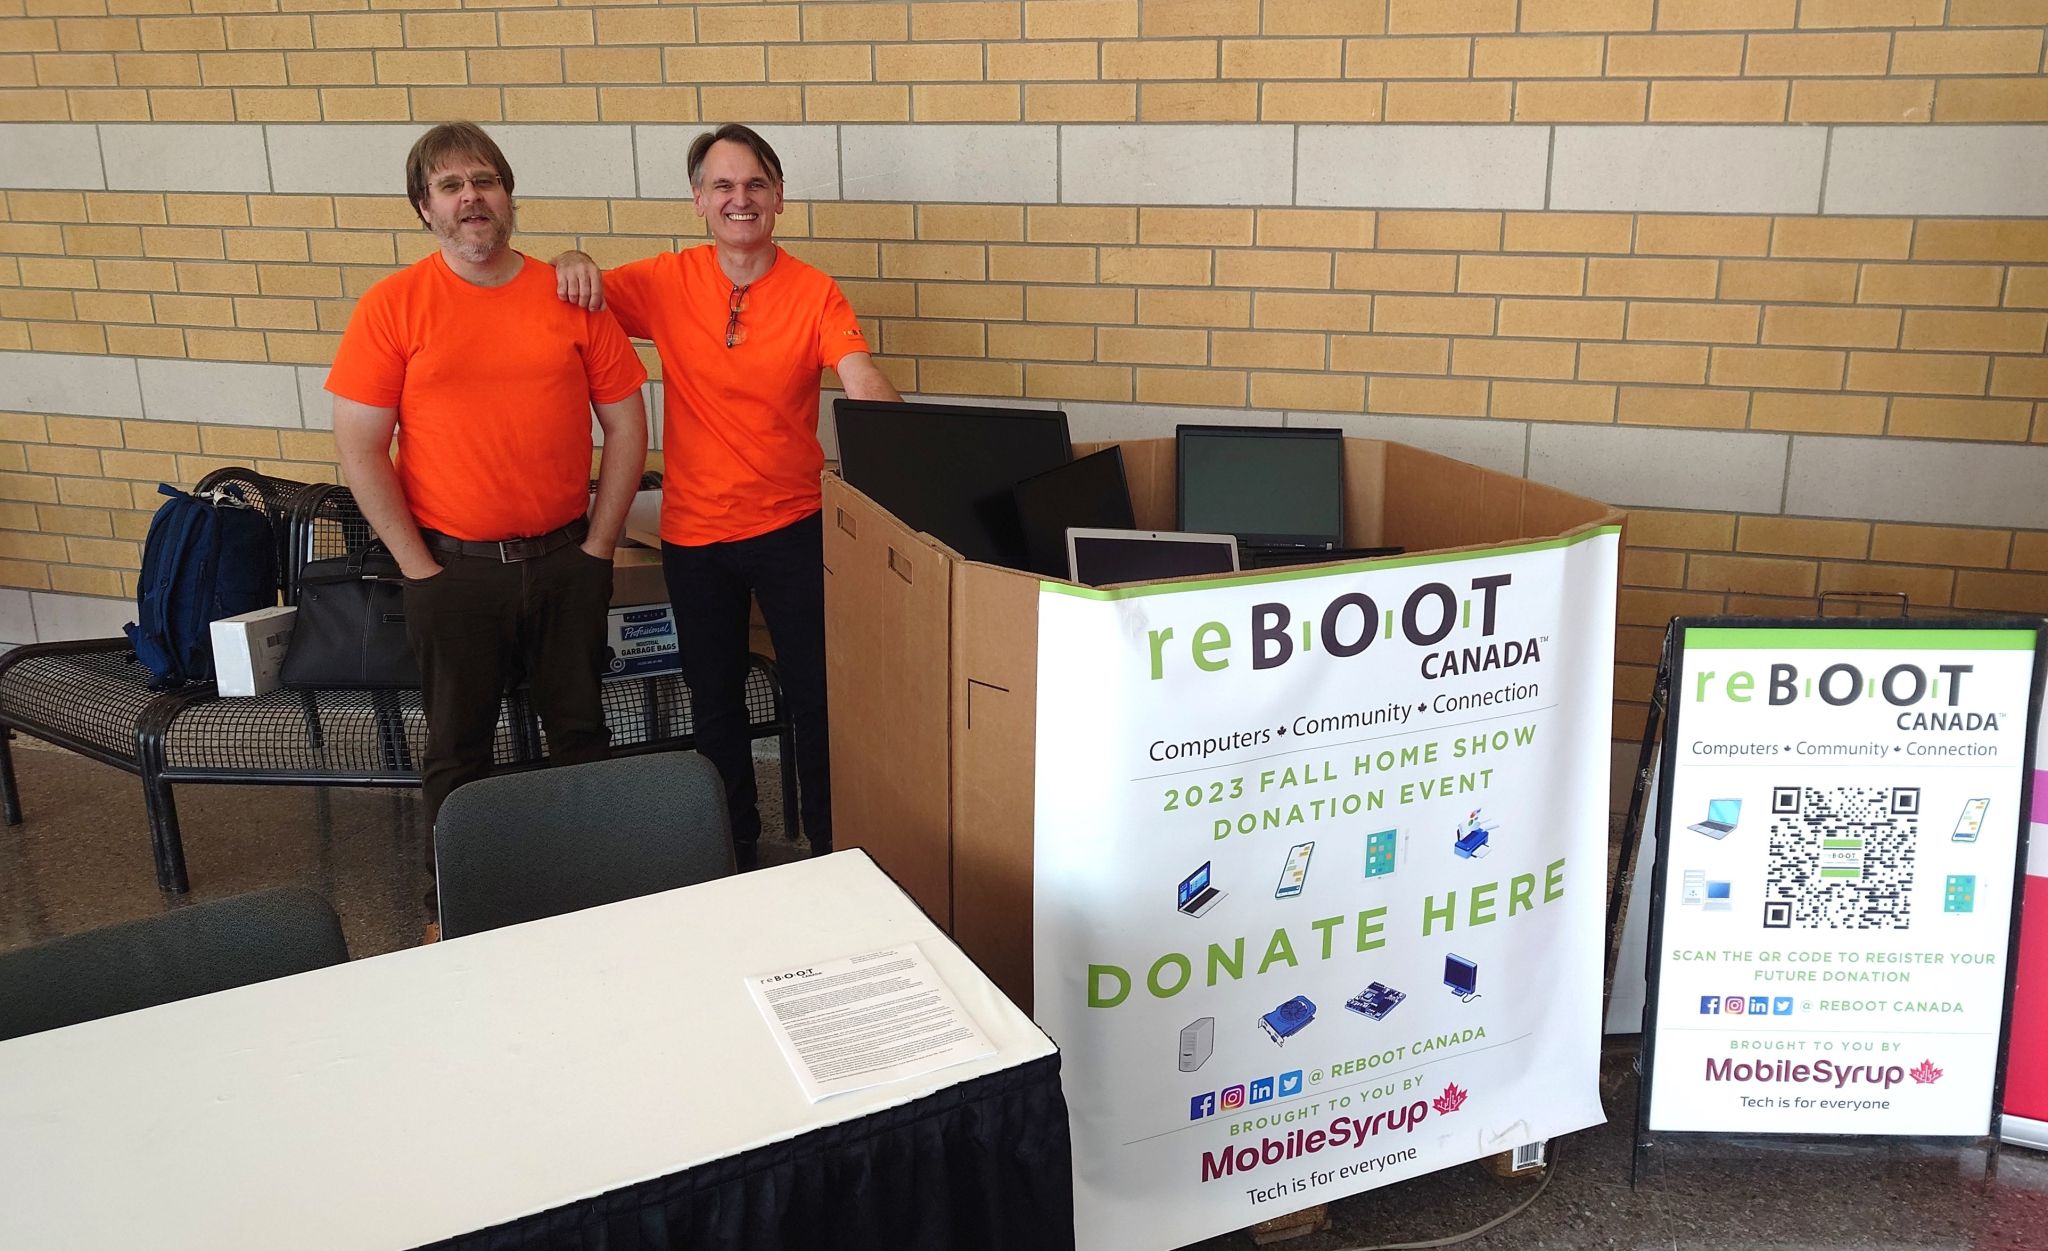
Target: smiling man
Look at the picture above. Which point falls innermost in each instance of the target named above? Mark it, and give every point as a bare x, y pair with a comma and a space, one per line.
744, 331
489, 381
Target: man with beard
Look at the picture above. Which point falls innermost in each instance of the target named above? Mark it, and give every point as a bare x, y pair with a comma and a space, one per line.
744, 330
489, 380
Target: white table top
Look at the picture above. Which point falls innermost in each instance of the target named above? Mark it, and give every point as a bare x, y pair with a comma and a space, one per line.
411, 1097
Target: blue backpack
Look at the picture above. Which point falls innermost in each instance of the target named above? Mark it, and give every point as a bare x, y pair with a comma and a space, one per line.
206, 557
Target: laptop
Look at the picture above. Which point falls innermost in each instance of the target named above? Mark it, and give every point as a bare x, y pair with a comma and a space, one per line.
1104, 557
1719, 898
1196, 895
1721, 818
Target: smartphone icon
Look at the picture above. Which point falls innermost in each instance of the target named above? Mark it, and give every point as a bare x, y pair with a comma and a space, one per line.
1295, 873
1971, 821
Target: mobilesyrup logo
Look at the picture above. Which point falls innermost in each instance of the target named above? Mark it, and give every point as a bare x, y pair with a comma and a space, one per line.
1820, 1073
1342, 1131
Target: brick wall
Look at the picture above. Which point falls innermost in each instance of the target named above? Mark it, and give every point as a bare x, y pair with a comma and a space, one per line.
1772, 273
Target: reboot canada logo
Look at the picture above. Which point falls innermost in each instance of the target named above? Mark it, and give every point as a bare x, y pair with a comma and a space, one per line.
1342, 1131
1350, 623
1927, 699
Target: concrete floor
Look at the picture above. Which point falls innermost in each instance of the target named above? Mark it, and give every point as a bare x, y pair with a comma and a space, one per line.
81, 859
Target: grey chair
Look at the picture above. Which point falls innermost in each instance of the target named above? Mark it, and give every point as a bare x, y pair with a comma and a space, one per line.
194, 950
521, 846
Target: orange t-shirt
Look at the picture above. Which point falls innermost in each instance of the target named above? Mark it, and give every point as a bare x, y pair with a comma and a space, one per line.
493, 387
740, 453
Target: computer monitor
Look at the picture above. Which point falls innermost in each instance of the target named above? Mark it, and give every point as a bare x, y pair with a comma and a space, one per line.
1267, 485
1461, 975
1089, 492
947, 469
1718, 890
1104, 557
1724, 811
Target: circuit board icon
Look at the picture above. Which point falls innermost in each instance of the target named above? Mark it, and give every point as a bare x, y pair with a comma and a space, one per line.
1376, 1001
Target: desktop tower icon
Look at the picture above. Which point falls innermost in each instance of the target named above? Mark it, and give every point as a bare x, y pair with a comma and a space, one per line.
1197, 1044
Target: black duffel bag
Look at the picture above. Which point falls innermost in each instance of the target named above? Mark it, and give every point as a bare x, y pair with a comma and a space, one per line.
351, 626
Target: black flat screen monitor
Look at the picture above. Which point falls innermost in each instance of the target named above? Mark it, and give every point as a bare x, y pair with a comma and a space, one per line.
1461, 975
1090, 492
1267, 485
1105, 557
947, 469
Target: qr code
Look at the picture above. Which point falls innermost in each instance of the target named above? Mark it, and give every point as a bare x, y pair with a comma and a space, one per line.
1842, 857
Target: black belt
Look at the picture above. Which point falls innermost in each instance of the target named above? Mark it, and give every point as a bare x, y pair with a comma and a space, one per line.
508, 550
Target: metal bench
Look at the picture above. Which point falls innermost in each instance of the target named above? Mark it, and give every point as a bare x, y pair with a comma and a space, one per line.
92, 698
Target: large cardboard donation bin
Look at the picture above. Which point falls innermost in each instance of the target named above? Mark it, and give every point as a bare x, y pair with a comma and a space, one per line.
933, 671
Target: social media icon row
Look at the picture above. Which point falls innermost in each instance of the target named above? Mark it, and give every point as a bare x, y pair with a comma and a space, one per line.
1231, 1098
1751, 1005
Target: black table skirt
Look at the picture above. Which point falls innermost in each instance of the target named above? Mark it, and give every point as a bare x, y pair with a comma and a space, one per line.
985, 1165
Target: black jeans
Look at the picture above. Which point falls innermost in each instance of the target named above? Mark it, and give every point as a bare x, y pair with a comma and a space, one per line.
709, 585
479, 627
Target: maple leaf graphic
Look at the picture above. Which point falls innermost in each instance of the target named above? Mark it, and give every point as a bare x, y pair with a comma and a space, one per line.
1451, 1100
1926, 1074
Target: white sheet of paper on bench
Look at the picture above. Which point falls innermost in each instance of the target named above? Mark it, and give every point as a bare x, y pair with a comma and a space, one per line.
865, 1020
643, 520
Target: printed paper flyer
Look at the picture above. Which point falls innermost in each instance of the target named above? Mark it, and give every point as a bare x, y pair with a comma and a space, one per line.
1832, 941
1320, 874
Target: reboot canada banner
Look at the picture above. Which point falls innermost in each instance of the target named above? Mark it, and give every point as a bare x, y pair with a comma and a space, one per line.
1320, 873
1843, 816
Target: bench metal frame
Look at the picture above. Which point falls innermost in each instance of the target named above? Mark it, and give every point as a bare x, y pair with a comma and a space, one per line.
92, 697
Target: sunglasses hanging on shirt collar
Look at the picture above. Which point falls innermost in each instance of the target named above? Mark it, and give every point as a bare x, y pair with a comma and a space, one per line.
735, 333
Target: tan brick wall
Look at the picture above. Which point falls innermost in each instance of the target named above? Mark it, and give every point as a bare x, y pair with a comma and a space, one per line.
1898, 328
1039, 60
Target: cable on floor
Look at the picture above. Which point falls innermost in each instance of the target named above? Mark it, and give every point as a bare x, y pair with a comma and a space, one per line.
1454, 1239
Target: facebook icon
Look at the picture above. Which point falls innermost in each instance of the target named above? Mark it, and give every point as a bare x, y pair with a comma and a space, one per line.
1201, 1106
1710, 1005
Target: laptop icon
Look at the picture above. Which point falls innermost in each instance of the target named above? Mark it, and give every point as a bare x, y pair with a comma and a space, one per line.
1196, 895
1721, 818
1719, 898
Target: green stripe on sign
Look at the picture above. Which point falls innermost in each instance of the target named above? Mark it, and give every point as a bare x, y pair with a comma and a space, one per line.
1851, 873
1843, 843
1324, 571
1722, 638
